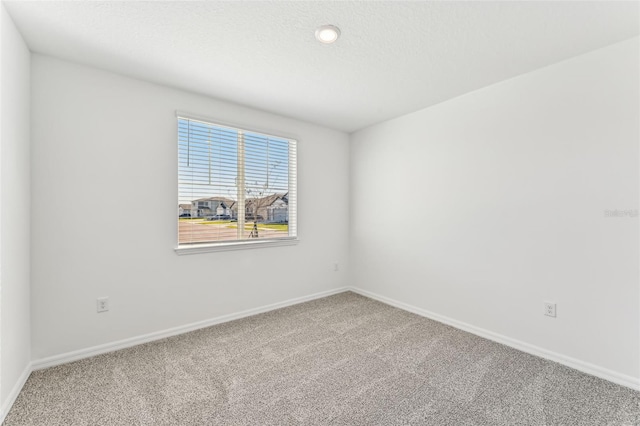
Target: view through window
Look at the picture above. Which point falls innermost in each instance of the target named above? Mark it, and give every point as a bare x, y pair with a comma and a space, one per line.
234, 184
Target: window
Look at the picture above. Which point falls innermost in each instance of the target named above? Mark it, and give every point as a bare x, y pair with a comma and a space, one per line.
240, 185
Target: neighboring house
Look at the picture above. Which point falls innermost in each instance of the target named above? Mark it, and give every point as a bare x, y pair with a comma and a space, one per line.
204, 207
278, 211
184, 209
272, 208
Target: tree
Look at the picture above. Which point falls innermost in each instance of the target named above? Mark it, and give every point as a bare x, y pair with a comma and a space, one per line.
259, 196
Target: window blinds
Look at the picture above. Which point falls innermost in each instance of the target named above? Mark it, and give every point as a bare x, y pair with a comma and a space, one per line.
234, 184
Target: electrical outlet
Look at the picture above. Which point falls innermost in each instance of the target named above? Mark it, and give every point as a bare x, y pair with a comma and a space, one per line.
103, 304
550, 309
336, 267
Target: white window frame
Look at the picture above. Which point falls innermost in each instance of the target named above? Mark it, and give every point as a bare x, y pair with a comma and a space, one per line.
292, 239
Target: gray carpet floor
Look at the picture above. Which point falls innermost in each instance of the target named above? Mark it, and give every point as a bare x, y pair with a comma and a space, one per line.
341, 360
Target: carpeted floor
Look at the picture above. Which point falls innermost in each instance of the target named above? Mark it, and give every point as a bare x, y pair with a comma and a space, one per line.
341, 360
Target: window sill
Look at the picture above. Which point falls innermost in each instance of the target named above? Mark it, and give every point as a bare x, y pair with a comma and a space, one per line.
235, 245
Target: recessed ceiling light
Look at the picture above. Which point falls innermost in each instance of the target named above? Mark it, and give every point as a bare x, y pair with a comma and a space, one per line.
327, 33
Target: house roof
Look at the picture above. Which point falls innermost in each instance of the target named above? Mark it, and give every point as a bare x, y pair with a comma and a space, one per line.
185, 206
268, 200
225, 200
262, 202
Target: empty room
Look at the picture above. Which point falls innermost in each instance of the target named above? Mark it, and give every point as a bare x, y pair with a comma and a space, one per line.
319, 213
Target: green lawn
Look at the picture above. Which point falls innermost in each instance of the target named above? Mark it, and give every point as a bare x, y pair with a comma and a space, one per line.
263, 226
276, 226
203, 221
248, 225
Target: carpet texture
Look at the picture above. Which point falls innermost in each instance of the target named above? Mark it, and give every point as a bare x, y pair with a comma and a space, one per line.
340, 360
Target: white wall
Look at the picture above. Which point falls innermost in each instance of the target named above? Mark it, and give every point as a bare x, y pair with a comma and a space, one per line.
15, 345
104, 144
500, 195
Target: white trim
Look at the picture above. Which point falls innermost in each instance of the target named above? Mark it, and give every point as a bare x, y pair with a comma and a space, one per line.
236, 245
145, 338
585, 367
15, 391
612, 376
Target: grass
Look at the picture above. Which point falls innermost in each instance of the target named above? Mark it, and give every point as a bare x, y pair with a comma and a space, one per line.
203, 221
263, 226
247, 226
276, 226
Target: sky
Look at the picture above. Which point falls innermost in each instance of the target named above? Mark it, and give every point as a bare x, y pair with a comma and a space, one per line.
208, 162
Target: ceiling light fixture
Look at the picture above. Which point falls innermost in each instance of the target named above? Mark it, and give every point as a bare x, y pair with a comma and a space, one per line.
327, 34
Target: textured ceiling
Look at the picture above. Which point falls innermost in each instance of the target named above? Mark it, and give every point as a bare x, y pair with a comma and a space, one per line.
392, 58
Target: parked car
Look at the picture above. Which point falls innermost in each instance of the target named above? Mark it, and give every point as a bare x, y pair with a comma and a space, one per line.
219, 217
185, 215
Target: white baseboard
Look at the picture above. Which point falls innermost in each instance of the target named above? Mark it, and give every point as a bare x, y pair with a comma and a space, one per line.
126, 343
585, 367
15, 391
615, 377
133, 341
